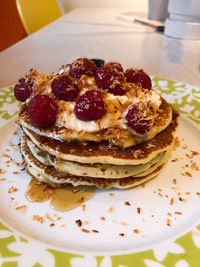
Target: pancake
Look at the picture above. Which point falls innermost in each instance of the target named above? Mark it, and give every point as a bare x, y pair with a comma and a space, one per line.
49, 175
102, 152
94, 170
114, 135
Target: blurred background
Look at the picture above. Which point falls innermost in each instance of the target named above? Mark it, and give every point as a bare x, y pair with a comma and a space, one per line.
11, 27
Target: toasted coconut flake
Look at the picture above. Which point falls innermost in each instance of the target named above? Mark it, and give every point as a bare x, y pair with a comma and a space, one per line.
85, 230
12, 190
111, 209
38, 218
168, 222
22, 208
95, 231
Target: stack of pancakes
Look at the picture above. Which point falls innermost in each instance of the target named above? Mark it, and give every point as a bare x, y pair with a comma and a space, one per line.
103, 154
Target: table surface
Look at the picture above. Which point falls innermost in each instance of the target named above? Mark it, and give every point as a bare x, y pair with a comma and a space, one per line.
107, 33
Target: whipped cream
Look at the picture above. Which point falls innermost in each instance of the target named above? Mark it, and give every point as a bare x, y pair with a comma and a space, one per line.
116, 106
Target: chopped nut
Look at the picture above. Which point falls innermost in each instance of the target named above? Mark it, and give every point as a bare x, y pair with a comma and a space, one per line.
194, 153
79, 223
5, 156
189, 156
111, 209
127, 203
136, 231
194, 166
139, 210
95, 231
38, 218
49, 218
123, 223
176, 142
2, 171
174, 181
182, 199
12, 190
22, 208
178, 212
85, 230
121, 234
62, 225
188, 174
168, 222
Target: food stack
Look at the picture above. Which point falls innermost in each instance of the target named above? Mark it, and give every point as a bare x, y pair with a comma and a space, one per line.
96, 126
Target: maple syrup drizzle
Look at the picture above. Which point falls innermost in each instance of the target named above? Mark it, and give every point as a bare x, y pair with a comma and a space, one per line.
61, 199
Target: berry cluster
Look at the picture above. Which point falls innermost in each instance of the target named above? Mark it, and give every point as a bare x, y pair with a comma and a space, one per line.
109, 77
23, 89
90, 106
139, 77
42, 110
65, 88
137, 118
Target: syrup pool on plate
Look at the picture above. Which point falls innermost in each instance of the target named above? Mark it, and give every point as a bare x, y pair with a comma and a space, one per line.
61, 199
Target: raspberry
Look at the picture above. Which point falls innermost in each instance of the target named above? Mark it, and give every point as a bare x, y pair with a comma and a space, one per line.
90, 106
42, 110
23, 90
139, 77
110, 80
115, 65
137, 120
65, 88
82, 66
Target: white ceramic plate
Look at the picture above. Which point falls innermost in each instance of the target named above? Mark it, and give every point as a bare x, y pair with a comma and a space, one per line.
160, 213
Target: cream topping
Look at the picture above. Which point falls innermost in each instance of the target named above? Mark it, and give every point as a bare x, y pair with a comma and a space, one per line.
116, 105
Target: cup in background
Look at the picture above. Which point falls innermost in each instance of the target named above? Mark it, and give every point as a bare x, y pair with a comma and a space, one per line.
184, 19
158, 9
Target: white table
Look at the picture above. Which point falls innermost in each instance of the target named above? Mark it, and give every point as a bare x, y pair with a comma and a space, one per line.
107, 33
